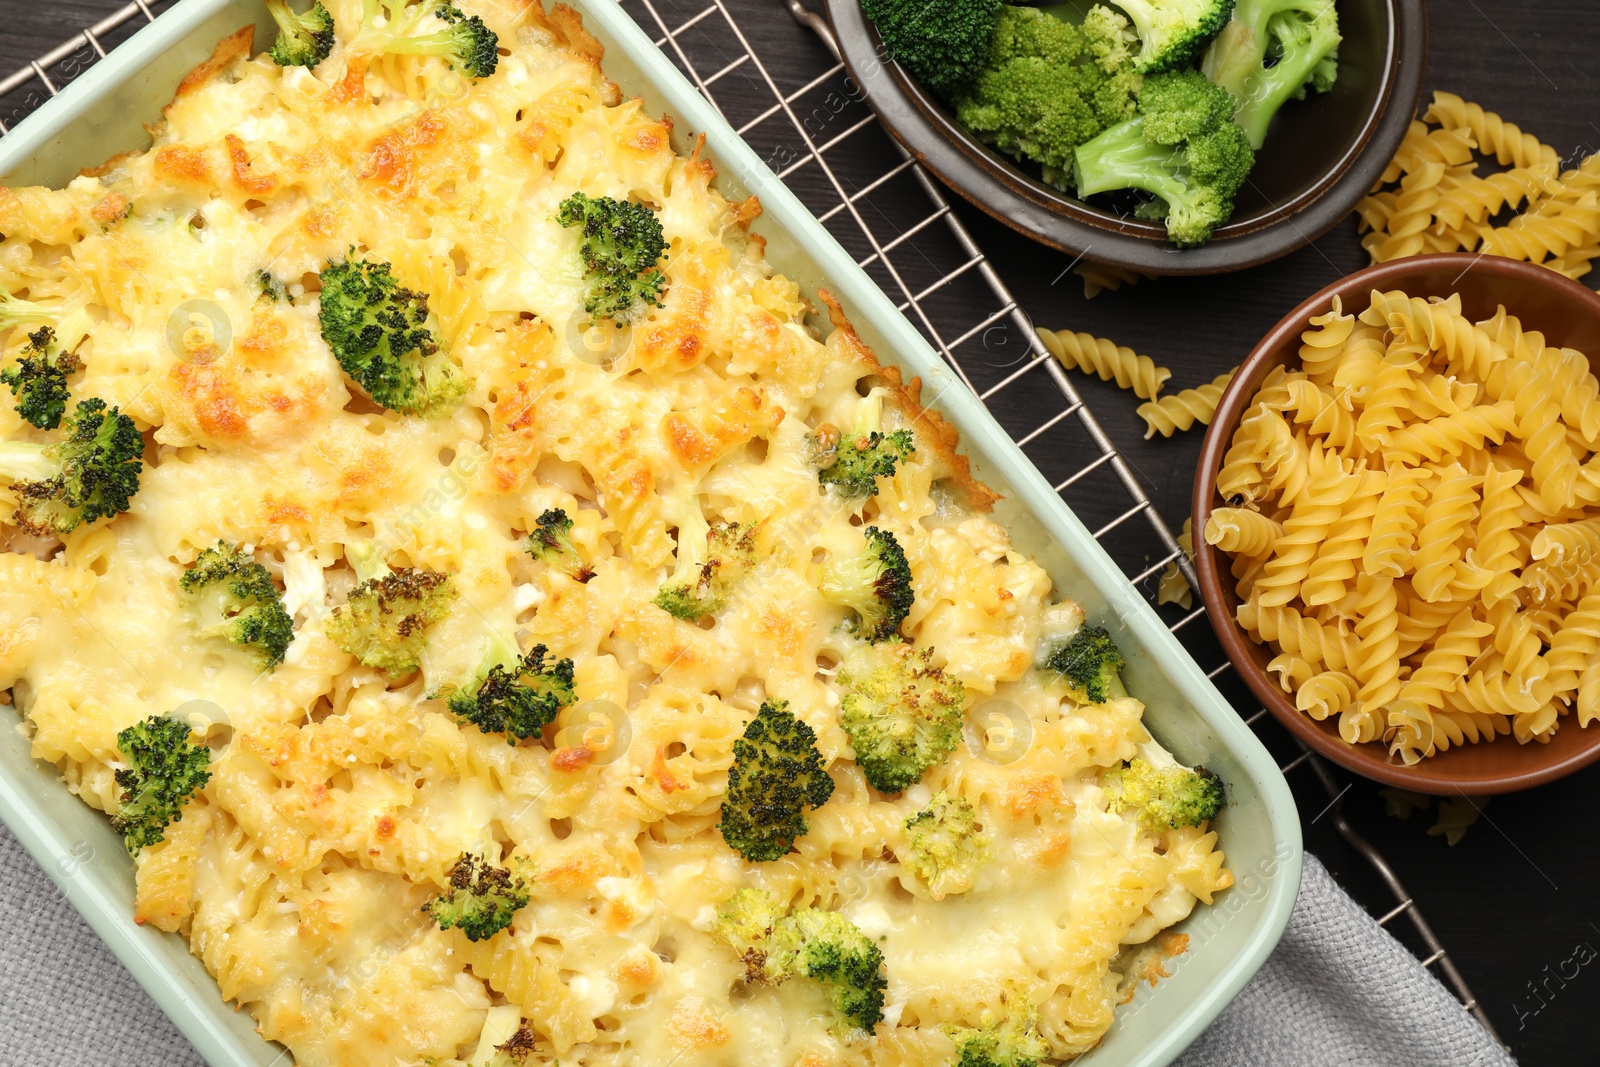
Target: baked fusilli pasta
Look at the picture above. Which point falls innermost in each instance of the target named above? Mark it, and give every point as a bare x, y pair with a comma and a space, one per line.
1413, 516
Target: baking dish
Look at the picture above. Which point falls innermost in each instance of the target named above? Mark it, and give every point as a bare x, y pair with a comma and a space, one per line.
103, 112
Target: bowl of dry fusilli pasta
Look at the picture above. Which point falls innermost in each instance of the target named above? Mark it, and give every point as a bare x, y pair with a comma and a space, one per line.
1397, 518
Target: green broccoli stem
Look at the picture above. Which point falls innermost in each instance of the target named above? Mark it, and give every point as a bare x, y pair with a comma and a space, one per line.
1276, 85
1122, 158
1241, 47
24, 461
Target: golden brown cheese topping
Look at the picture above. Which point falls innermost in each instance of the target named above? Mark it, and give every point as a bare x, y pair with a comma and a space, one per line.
341, 795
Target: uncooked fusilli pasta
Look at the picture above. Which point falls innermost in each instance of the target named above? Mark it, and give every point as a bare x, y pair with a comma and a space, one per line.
1096, 355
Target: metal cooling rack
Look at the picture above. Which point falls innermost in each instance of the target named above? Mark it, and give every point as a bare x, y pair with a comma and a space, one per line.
898, 222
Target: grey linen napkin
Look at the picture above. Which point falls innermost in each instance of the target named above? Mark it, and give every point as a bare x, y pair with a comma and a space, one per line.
1338, 990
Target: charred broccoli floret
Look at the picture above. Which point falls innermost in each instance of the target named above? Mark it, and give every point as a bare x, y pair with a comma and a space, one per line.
235, 599
621, 247
462, 40
378, 332
270, 287
39, 380
165, 768
700, 585
480, 900
91, 474
1164, 797
303, 40
875, 584
777, 773
943, 43
386, 620
823, 946
945, 846
901, 712
1089, 660
551, 541
1013, 1042
515, 1050
1172, 32
520, 701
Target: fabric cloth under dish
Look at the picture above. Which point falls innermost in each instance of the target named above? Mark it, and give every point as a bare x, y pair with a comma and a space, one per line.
1337, 991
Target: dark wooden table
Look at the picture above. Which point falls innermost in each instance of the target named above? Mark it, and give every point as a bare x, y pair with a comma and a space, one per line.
1514, 902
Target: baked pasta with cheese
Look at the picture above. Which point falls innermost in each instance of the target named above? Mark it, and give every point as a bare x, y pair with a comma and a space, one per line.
509, 623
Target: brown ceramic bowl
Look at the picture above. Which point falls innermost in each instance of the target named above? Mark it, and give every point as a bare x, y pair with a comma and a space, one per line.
1319, 159
1569, 315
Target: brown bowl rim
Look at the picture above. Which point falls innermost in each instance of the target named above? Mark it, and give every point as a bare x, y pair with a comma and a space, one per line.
995, 184
1210, 563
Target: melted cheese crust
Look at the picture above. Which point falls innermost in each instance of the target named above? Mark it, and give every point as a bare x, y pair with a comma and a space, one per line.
341, 799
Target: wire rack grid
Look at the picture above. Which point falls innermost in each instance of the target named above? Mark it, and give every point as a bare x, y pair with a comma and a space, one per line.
898, 222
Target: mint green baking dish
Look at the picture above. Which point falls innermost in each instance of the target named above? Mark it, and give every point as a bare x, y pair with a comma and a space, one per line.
103, 113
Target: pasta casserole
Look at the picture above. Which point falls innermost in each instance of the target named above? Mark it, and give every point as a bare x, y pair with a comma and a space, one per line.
508, 623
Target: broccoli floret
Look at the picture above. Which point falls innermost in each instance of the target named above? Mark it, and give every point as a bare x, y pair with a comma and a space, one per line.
854, 463
901, 712
777, 773
700, 587
39, 380
1049, 86
1272, 51
945, 847
235, 599
1181, 147
814, 943
481, 898
270, 288
1172, 32
942, 44
1014, 1042
164, 770
378, 332
551, 541
515, 1050
303, 40
1164, 797
518, 702
465, 41
875, 584
621, 247
1089, 660
385, 623
91, 474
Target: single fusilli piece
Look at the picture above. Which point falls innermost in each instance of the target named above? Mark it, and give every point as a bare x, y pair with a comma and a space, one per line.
1173, 587
1096, 355
1241, 531
1180, 411
1492, 134
1099, 278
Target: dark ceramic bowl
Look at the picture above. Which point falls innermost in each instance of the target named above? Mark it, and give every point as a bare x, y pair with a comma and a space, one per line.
1569, 315
1320, 158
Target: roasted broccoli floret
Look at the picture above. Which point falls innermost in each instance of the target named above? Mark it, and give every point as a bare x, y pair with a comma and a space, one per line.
481, 898
943, 43
901, 712
945, 846
270, 288
378, 332
1014, 1042
875, 584
621, 247
1048, 85
515, 1050
1181, 148
1172, 32
39, 380
777, 773
1273, 51
165, 768
823, 946
386, 620
303, 40
520, 701
1089, 660
464, 41
234, 598
91, 474
1164, 798
700, 585
551, 541
855, 462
